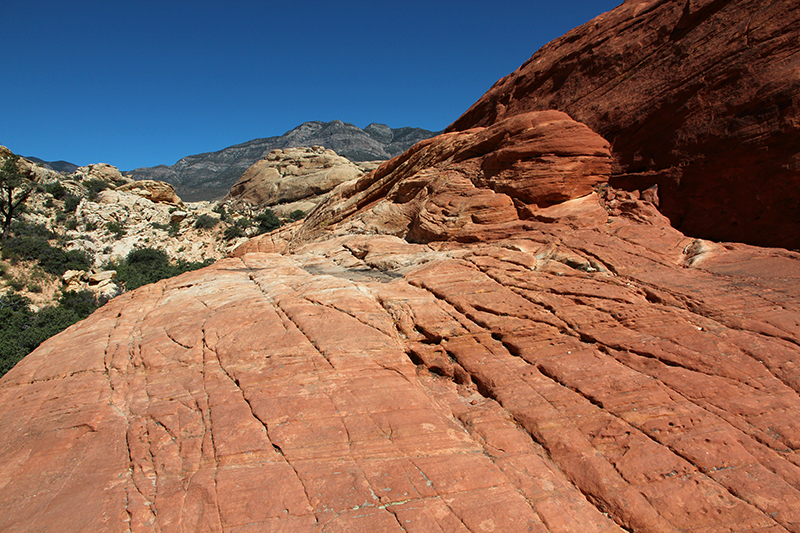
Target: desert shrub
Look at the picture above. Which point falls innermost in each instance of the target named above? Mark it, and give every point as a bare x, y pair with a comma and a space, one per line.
22, 330
116, 228
71, 223
93, 188
56, 261
20, 228
296, 215
90, 226
267, 221
149, 265
205, 222
16, 284
243, 222
232, 232
53, 260
71, 203
158, 225
220, 210
29, 247
56, 190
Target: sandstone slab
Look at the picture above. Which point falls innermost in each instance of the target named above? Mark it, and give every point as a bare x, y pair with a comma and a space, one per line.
560, 379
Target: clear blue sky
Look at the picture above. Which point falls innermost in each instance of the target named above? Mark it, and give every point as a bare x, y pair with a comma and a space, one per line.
144, 83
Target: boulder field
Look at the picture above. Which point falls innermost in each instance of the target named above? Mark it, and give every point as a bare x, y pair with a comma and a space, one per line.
483, 334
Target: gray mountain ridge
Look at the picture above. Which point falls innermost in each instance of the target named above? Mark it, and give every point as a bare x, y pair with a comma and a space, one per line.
58, 166
210, 175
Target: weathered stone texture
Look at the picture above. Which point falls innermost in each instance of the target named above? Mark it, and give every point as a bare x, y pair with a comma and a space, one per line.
480, 335
620, 376
700, 97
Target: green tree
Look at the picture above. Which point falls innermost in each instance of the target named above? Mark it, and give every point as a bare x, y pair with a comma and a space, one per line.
16, 185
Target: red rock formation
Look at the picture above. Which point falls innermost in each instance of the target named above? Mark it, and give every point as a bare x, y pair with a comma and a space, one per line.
481, 335
474, 185
701, 97
560, 379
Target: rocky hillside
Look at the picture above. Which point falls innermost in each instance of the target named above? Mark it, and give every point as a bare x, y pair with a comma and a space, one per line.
209, 176
483, 334
87, 236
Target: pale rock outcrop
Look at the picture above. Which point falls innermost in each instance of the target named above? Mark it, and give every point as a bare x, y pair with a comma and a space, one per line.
293, 178
102, 172
101, 282
155, 191
144, 224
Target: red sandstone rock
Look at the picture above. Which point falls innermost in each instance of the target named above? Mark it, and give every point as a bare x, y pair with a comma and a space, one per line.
475, 185
479, 336
701, 97
562, 379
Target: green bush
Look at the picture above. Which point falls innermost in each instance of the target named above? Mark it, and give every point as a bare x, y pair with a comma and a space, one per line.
71, 203
116, 228
52, 259
28, 247
56, 190
148, 265
296, 215
56, 261
94, 186
205, 222
267, 221
20, 228
16, 284
232, 232
71, 223
220, 210
22, 330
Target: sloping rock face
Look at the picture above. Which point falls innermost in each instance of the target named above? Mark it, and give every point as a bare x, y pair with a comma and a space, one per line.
699, 97
299, 178
478, 184
501, 353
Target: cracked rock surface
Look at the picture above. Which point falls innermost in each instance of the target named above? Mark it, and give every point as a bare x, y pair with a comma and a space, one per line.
561, 380
403, 361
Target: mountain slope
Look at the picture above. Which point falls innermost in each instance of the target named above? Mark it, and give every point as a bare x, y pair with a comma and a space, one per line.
209, 175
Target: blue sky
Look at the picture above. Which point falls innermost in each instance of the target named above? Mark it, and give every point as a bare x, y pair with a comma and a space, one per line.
144, 83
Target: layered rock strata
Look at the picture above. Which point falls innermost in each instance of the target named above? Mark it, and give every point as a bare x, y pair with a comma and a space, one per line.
698, 97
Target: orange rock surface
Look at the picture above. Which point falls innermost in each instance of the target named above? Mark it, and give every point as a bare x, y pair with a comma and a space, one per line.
481, 335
